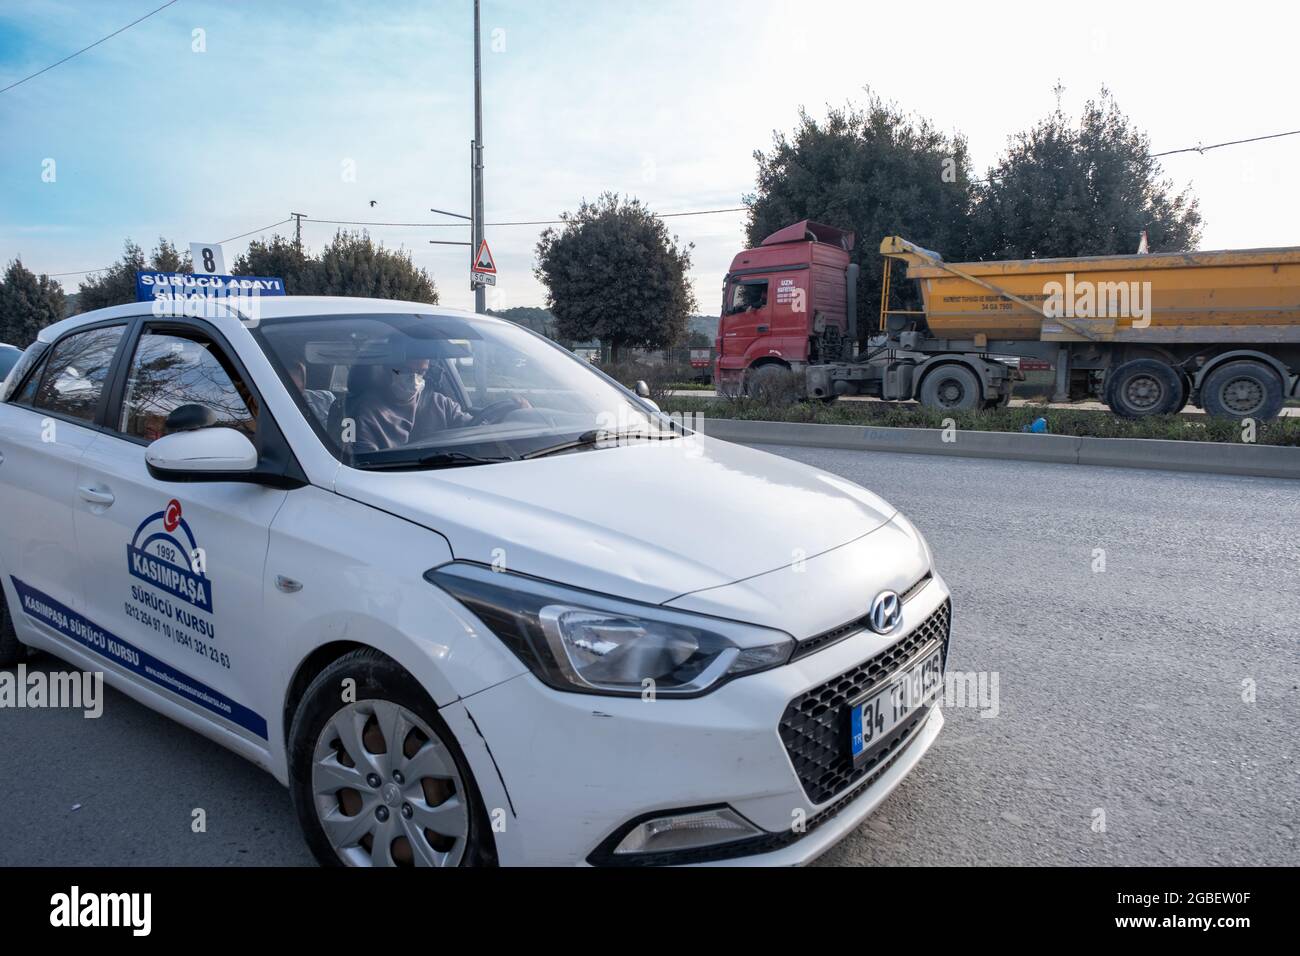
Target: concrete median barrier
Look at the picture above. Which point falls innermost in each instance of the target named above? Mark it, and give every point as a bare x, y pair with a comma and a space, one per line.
1268, 461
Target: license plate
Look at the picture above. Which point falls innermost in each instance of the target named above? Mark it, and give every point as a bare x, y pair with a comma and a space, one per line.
874, 717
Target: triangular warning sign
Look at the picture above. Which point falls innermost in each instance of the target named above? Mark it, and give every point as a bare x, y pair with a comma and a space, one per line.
484, 262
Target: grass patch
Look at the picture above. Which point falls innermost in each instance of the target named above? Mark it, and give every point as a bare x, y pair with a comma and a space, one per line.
1087, 424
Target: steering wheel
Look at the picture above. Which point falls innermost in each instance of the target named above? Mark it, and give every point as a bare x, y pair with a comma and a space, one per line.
496, 411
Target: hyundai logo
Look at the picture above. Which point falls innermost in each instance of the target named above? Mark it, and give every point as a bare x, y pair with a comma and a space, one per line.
886, 612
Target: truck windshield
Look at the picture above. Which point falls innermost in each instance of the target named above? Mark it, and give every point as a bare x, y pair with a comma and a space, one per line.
428, 391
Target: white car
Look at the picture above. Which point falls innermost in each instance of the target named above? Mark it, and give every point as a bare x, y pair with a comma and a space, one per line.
468, 598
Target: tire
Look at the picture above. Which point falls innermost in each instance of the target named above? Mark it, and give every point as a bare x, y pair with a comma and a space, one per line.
1242, 389
1144, 387
12, 650
770, 384
363, 824
1002, 401
952, 388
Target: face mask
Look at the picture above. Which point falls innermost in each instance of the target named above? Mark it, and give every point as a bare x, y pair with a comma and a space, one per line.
407, 386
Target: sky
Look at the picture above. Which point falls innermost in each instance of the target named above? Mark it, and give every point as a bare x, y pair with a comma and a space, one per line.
162, 131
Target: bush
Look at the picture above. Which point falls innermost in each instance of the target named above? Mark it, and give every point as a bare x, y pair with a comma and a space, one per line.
1088, 424
660, 379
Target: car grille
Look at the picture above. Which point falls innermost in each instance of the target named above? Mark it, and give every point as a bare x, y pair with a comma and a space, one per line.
814, 727
817, 642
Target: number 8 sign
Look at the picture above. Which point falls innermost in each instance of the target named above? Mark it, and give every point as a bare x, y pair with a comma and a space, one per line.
209, 259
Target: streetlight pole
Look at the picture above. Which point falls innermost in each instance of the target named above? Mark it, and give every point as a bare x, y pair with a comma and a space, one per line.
476, 186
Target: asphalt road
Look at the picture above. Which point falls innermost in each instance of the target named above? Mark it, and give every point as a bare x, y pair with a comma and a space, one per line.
1120, 692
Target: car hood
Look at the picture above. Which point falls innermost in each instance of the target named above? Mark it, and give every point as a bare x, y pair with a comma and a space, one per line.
648, 521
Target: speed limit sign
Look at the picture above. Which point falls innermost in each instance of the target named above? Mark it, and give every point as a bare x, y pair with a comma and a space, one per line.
208, 258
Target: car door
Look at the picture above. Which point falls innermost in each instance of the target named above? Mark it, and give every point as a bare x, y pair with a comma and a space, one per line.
175, 571
45, 428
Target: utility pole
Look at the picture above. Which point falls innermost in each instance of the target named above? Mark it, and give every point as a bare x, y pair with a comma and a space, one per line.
297, 229
476, 160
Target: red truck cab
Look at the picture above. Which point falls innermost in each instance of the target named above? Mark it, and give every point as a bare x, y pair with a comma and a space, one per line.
785, 305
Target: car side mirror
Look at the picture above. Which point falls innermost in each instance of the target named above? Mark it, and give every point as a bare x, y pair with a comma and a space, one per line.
208, 454
642, 389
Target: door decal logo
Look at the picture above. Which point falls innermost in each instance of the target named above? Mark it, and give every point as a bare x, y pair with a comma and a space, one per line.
158, 557
63, 620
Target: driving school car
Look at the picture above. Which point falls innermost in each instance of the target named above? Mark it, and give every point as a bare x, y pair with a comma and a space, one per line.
472, 601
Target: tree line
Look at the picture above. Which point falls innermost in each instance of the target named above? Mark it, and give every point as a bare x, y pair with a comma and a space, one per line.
1063, 187
352, 264
614, 272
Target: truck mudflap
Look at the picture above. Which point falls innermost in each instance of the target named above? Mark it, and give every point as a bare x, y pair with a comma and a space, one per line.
729, 382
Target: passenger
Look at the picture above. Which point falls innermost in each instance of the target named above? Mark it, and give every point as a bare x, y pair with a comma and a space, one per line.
319, 400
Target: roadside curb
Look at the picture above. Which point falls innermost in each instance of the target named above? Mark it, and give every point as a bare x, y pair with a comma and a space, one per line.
1264, 461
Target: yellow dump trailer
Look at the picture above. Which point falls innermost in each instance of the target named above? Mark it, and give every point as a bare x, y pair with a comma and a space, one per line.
1145, 333
1243, 295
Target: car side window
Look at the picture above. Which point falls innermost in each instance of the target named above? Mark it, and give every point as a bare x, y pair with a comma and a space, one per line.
72, 380
28, 393
181, 380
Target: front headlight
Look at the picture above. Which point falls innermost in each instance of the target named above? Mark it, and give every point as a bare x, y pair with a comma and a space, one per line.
582, 641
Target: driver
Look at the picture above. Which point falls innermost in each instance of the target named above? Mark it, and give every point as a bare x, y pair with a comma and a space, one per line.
386, 414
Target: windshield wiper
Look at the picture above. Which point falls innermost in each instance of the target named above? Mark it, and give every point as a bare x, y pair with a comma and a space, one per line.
441, 459
598, 436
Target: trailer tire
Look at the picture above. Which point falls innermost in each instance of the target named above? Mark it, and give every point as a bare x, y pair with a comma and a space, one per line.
1242, 389
951, 388
1145, 387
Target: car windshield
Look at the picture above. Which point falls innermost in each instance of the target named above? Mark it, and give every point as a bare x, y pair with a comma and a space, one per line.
428, 390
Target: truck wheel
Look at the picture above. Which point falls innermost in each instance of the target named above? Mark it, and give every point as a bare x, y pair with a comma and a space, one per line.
951, 388
771, 385
11, 649
1243, 389
1145, 387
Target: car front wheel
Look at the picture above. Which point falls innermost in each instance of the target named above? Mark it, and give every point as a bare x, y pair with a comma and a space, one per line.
377, 776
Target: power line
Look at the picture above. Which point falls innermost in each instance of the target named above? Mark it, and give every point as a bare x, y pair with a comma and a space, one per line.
84, 272
528, 222
422, 225
263, 229
1189, 149
83, 50
1234, 142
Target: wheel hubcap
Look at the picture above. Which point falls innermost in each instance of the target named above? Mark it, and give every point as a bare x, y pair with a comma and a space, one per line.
1143, 392
951, 392
375, 757
1242, 395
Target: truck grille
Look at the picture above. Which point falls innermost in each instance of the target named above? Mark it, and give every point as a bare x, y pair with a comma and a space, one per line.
814, 727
